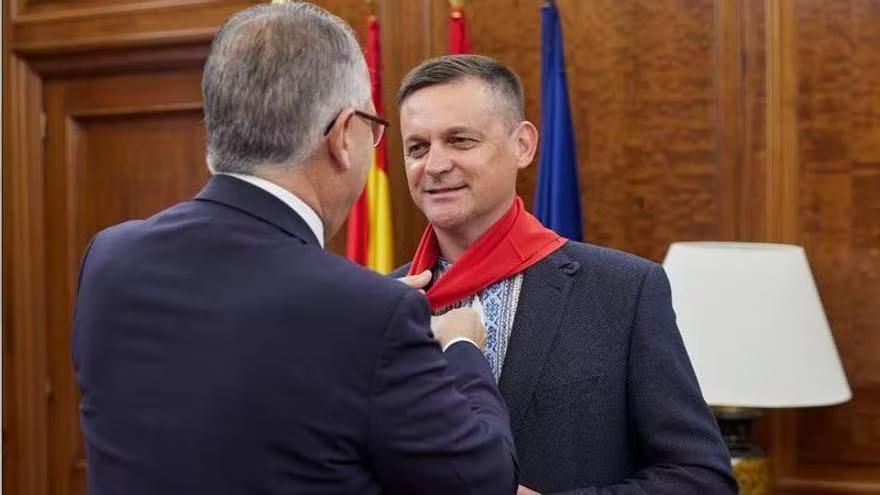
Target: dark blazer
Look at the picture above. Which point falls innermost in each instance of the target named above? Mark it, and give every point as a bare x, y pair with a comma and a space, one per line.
601, 392
219, 350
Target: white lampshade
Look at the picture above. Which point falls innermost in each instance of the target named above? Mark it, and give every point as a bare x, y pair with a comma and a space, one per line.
753, 325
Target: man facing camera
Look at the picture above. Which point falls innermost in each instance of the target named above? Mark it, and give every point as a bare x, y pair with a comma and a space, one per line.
582, 339
220, 350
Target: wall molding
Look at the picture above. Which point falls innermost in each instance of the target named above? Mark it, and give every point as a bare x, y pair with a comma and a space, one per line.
24, 359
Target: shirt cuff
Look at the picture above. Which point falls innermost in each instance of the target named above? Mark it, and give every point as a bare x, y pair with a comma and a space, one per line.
460, 339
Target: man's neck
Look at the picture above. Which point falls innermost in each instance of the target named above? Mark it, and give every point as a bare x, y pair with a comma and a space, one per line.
454, 242
453, 246
302, 189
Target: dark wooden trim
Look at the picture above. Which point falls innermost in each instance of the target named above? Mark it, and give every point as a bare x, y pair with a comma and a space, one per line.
130, 40
172, 25
729, 87
24, 319
60, 11
137, 110
751, 178
825, 487
106, 61
782, 124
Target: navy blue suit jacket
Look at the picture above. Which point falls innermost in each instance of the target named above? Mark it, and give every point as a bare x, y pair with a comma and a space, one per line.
601, 392
219, 350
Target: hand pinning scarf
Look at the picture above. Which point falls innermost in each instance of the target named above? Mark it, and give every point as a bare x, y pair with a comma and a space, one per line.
516, 242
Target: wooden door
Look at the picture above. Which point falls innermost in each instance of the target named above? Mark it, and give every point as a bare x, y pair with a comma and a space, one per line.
117, 147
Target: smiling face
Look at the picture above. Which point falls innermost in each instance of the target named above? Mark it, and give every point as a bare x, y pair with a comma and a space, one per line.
462, 154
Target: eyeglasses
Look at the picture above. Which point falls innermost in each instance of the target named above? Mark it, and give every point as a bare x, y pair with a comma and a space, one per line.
377, 125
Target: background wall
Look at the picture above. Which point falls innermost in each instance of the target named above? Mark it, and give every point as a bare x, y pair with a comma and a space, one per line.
696, 119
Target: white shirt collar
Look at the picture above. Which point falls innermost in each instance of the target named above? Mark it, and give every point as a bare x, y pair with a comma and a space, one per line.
299, 206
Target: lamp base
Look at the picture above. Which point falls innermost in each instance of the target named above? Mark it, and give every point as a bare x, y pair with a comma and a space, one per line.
751, 467
752, 474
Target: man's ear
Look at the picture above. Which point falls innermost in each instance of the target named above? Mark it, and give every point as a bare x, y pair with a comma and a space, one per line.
526, 143
339, 140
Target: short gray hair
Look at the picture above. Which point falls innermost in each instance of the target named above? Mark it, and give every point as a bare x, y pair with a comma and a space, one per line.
276, 76
452, 68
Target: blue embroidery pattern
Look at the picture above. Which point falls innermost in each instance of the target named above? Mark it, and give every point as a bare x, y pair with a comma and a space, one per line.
499, 303
491, 298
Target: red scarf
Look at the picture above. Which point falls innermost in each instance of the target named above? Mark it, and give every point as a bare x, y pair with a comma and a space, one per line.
516, 242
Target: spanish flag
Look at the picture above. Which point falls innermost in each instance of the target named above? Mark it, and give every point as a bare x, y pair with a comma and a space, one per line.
458, 39
369, 240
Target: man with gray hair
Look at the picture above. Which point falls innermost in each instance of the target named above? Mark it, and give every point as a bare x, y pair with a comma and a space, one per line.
582, 339
220, 350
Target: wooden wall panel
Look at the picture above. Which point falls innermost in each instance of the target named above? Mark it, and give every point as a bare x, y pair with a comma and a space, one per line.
168, 142
69, 7
74, 28
836, 63
649, 113
30, 8
695, 119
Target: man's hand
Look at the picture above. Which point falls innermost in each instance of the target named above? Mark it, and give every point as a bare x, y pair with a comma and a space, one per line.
419, 281
526, 491
459, 323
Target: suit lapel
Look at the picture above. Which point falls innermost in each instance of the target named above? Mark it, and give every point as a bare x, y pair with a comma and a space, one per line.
542, 301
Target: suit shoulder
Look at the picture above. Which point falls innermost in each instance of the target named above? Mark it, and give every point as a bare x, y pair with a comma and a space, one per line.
134, 228
350, 281
116, 236
608, 263
585, 252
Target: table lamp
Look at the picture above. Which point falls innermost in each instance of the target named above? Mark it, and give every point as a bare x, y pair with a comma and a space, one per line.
754, 328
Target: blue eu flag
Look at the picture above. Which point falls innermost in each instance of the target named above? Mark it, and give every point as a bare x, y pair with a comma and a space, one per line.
557, 198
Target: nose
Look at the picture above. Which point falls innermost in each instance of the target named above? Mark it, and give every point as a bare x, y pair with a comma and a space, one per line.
437, 162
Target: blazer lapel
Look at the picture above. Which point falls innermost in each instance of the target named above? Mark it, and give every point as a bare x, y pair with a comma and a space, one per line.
258, 203
542, 301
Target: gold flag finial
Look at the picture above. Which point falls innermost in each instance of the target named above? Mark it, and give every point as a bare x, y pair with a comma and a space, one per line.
456, 4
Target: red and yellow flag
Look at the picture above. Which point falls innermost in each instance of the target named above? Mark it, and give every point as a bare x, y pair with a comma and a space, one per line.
458, 39
369, 240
